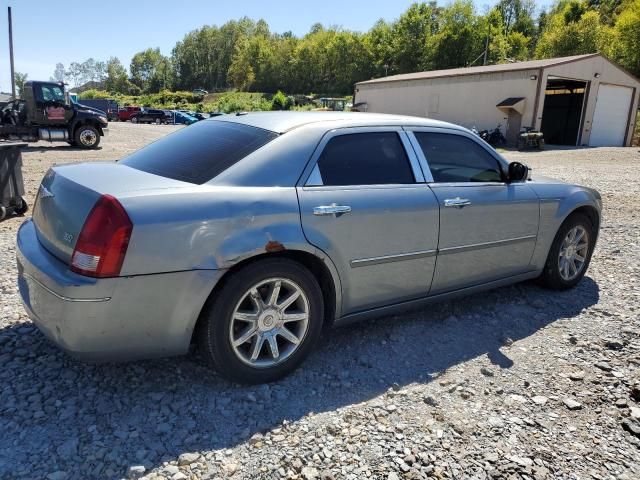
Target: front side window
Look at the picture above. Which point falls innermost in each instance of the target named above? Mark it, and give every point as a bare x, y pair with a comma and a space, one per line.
51, 93
376, 158
200, 152
454, 158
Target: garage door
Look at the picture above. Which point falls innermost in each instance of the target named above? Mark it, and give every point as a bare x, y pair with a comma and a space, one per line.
609, 126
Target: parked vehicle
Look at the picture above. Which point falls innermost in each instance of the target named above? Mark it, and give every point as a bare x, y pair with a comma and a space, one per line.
495, 138
108, 107
530, 138
250, 233
125, 113
200, 91
184, 118
45, 112
149, 115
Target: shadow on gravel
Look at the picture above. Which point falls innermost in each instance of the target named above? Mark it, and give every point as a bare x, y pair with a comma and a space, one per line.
94, 420
51, 148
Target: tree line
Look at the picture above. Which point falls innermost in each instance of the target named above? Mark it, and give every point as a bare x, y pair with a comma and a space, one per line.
246, 55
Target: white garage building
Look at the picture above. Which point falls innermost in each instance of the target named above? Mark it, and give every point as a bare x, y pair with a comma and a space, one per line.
579, 100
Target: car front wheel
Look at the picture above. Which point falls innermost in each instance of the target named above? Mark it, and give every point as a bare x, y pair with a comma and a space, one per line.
263, 322
570, 253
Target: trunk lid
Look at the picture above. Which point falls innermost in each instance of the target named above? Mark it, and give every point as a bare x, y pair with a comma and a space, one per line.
68, 193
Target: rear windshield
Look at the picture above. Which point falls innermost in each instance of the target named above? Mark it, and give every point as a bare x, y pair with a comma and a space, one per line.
200, 152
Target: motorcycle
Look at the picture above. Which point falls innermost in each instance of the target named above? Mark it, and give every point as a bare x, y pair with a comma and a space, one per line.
495, 138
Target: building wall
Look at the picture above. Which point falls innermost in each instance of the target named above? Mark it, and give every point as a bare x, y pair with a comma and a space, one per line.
470, 100
467, 100
585, 70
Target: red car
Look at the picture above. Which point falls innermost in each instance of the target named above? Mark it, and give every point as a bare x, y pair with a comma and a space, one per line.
125, 113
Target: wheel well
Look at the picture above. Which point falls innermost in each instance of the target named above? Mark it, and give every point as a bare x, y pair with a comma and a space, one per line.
93, 123
592, 214
316, 266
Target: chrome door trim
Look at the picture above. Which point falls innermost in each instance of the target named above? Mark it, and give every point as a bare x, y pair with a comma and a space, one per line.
306, 176
480, 246
401, 257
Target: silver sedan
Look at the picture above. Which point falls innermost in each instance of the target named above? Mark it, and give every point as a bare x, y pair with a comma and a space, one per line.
248, 234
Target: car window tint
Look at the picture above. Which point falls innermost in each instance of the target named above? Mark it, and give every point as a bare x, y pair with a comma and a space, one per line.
200, 152
454, 158
365, 159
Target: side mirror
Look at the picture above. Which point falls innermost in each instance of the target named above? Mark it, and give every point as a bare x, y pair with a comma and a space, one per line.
518, 172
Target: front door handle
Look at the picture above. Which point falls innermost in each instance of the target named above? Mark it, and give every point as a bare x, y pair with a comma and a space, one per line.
457, 202
332, 209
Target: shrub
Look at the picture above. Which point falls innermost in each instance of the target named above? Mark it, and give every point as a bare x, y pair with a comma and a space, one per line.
281, 102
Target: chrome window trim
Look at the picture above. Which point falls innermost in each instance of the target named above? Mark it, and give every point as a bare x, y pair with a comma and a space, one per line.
330, 134
424, 161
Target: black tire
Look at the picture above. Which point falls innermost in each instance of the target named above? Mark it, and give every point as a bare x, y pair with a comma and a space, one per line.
551, 277
134, 120
213, 334
22, 207
89, 130
3, 212
158, 122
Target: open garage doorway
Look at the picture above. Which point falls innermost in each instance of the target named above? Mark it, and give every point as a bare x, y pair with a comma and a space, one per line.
563, 109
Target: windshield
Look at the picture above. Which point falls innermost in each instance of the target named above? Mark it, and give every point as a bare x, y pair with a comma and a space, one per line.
200, 152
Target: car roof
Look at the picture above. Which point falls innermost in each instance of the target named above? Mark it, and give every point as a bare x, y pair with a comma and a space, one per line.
281, 122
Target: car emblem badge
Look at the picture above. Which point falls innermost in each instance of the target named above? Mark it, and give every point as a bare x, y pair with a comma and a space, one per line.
45, 193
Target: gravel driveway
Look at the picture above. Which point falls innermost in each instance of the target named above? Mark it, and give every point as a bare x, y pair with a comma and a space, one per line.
517, 383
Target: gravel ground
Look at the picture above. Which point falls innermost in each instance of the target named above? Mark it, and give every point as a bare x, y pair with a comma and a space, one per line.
517, 383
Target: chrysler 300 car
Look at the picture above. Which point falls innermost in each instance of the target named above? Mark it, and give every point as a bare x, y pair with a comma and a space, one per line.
247, 234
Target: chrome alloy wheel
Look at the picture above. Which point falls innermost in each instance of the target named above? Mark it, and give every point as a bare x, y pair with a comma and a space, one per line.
573, 253
269, 322
88, 137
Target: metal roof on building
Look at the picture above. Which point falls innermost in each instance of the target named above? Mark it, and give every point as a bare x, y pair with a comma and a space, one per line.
506, 67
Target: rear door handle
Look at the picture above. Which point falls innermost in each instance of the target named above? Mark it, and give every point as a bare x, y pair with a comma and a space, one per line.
457, 202
332, 209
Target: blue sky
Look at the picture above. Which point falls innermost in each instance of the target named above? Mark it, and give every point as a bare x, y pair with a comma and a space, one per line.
47, 32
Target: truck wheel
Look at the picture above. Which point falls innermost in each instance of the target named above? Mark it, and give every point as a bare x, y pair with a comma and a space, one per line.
158, 121
87, 136
134, 120
3, 212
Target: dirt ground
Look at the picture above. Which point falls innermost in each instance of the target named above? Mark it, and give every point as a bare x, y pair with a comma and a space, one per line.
516, 383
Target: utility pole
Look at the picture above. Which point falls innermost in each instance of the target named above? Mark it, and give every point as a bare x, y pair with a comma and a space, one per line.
486, 46
13, 76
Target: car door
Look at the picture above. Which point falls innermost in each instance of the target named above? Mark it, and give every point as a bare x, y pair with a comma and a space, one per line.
363, 201
488, 226
51, 107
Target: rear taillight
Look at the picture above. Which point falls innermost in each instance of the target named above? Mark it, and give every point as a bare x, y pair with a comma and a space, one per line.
103, 241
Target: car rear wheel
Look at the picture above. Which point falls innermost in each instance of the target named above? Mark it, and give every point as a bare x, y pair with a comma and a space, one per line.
263, 322
570, 253
87, 136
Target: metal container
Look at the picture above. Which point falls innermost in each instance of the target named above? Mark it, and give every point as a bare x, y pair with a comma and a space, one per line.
11, 182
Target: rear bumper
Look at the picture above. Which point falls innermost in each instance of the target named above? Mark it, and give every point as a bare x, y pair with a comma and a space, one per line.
110, 319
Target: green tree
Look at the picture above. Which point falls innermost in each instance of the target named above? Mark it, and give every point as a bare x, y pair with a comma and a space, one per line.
624, 44
151, 71
572, 29
411, 34
20, 79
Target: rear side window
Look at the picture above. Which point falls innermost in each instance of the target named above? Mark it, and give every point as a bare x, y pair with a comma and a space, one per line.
365, 159
200, 152
454, 158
